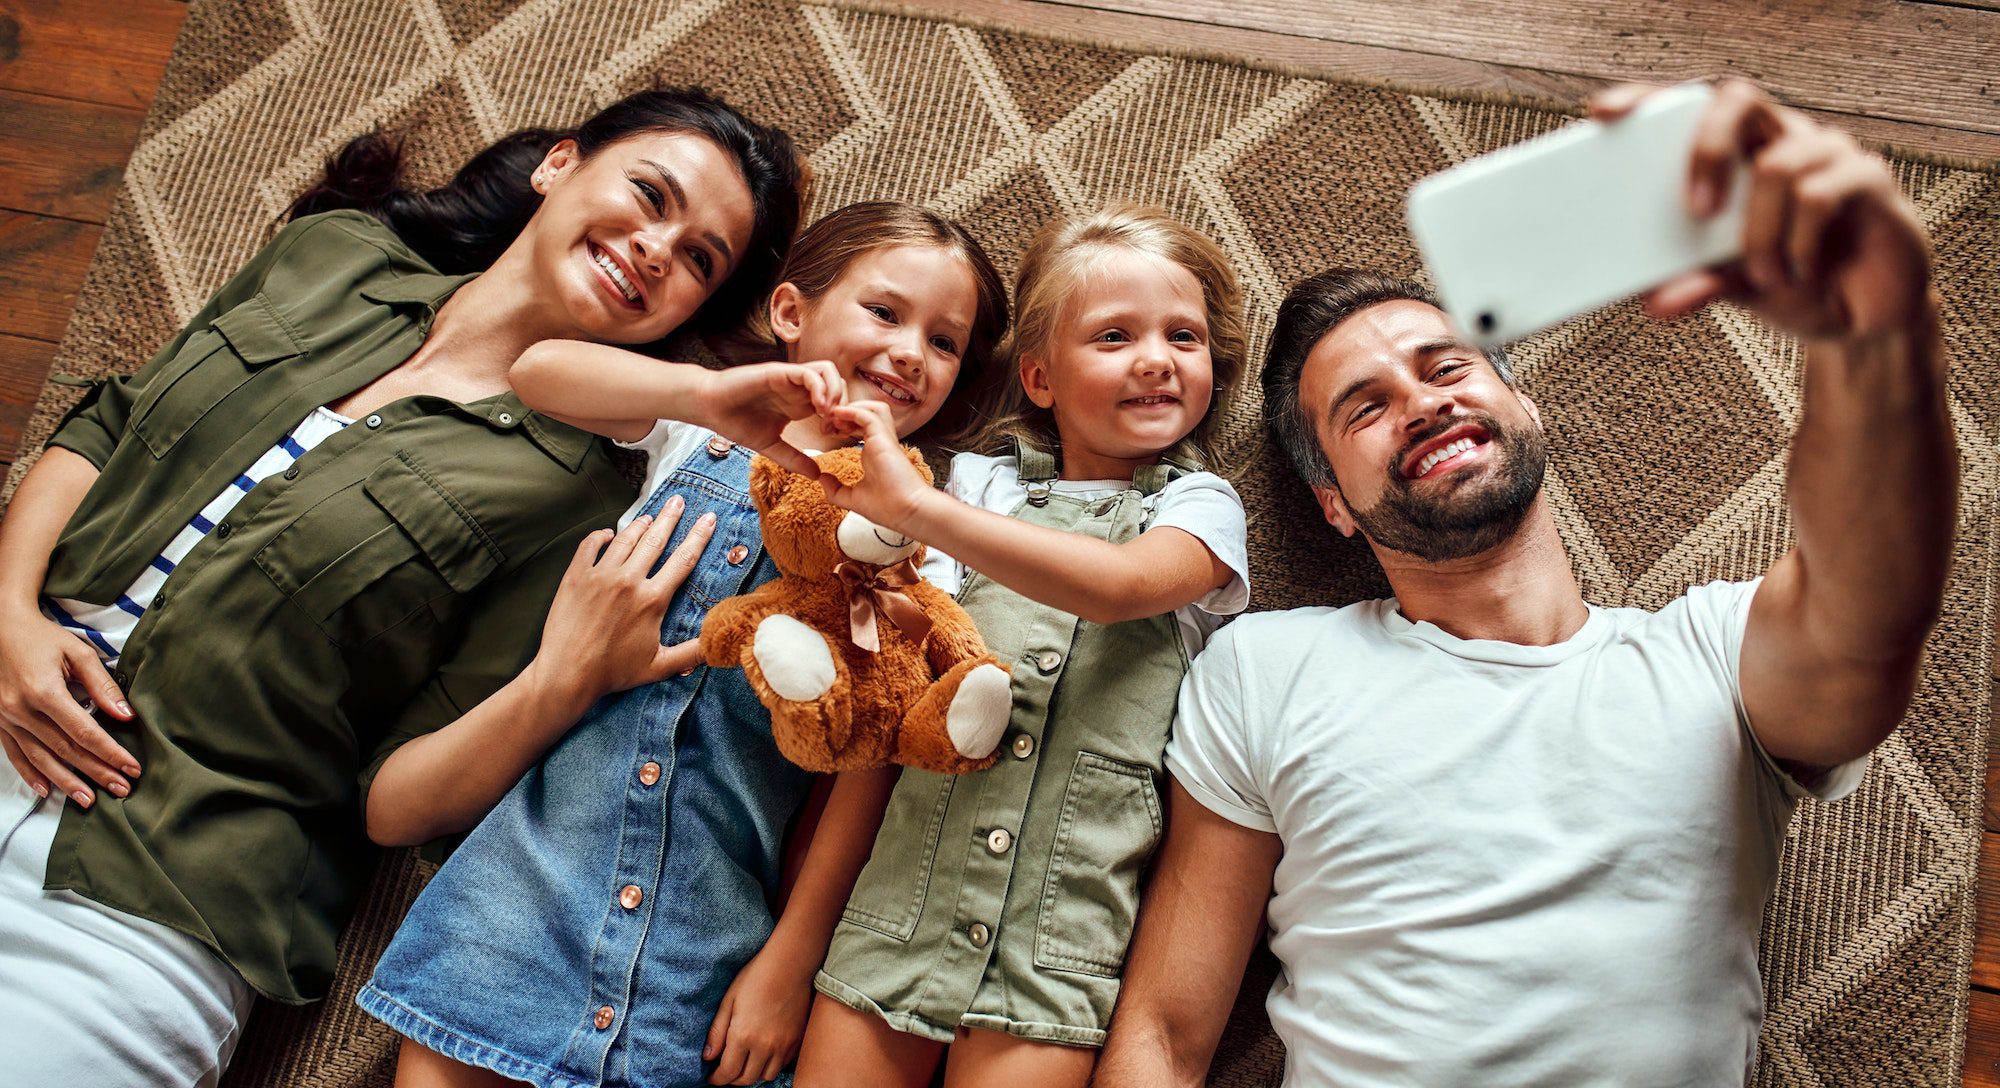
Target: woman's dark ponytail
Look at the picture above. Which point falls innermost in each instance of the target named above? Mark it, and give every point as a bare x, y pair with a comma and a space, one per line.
466, 224
462, 226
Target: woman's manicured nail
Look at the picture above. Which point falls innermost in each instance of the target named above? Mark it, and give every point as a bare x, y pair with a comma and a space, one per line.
81, 798
118, 789
124, 708
42, 790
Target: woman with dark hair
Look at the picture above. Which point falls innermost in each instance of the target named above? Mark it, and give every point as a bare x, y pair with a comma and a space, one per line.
316, 526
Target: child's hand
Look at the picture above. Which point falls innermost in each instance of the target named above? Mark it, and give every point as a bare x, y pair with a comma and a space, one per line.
763, 1016
890, 488
751, 405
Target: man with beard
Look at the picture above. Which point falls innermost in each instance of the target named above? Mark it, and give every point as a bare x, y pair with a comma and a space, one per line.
1505, 837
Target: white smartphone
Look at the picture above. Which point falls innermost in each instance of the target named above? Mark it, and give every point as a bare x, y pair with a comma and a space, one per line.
1522, 238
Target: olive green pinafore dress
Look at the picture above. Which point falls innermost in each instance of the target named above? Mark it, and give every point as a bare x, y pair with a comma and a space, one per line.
1004, 899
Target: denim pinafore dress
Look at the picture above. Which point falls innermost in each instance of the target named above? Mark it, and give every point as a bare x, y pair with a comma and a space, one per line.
586, 930
1003, 899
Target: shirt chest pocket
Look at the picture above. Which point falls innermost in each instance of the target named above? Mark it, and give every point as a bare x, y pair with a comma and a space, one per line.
213, 364
376, 555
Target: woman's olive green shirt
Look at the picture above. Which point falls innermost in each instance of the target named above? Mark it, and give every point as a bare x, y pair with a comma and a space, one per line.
392, 578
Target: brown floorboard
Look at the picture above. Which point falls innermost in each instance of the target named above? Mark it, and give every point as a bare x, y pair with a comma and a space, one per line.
80, 181
75, 76
107, 51
22, 364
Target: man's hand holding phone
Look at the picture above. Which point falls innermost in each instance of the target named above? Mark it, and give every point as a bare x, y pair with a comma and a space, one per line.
1831, 247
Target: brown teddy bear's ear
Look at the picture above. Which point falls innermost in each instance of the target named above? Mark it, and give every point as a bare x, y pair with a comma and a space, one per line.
767, 483
916, 457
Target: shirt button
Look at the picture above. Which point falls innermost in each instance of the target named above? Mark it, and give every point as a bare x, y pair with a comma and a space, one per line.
223, 530
738, 554
1048, 661
506, 419
719, 447
292, 473
630, 897
603, 1017
161, 600
1024, 746
979, 934
649, 774
373, 422
998, 840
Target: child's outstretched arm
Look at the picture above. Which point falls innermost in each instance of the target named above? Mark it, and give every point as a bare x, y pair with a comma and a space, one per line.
619, 394
757, 1030
1162, 569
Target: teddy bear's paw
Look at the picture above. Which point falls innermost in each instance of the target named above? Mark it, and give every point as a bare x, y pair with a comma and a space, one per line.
794, 658
979, 711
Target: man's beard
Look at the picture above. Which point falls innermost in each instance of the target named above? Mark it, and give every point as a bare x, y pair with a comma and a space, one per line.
1446, 522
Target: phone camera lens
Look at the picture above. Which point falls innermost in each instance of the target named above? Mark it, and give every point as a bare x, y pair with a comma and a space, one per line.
1486, 321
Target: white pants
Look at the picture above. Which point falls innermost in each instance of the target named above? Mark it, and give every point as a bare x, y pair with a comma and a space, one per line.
90, 995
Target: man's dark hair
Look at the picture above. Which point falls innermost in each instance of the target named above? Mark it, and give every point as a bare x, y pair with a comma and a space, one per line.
1313, 307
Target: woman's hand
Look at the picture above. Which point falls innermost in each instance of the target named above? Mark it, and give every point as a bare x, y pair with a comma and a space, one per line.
757, 1030
603, 631
890, 488
751, 405
48, 677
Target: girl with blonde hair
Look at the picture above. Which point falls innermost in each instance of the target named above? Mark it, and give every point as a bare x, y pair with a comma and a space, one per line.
1096, 557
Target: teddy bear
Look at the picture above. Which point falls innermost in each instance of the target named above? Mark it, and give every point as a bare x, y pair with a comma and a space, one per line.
860, 661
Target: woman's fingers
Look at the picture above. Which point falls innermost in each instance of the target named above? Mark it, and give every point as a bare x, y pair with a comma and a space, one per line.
674, 660
681, 564
88, 670
654, 540
620, 548
791, 458
53, 769
59, 740
62, 708
22, 766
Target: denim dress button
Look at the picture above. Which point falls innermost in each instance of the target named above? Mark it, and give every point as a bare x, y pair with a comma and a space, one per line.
719, 447
649, 774
630, 897
603, 1018
737, 554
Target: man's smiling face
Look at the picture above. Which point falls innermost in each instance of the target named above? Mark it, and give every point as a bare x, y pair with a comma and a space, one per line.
1435, 455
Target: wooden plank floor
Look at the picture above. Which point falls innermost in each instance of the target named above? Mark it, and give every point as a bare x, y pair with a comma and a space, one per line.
76, 77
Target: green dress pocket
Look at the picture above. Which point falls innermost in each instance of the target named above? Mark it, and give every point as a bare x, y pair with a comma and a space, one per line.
1108, 828
889, 896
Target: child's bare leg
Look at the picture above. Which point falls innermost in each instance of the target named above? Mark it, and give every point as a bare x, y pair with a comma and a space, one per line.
419, 1066
994, 1059
846, 1047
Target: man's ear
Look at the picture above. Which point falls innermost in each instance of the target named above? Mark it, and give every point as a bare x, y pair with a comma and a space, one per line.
788, 312
1035, 381
1333, 505
1534, 413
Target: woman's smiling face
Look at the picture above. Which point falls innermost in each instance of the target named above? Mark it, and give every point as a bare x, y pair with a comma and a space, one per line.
632, 240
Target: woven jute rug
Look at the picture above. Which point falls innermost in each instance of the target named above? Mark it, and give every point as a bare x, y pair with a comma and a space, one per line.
1670, 441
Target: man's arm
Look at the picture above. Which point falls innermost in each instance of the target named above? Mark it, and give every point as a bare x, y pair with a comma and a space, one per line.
1202, 915
1834, 254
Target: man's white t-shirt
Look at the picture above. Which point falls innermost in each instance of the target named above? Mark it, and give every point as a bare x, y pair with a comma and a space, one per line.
1503, 864
1201, 504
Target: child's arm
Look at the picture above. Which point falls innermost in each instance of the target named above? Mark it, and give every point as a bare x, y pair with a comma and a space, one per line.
1162, 569
757, 1030
619, 394
602, 635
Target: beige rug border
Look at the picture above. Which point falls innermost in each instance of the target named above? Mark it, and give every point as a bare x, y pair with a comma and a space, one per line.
1301, 70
